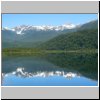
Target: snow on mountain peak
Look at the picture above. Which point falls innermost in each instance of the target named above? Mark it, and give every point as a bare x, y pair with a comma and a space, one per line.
69, 26
6, 28
21, 29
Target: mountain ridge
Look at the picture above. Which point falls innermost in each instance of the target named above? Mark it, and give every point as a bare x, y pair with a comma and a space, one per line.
23, 28
33, 38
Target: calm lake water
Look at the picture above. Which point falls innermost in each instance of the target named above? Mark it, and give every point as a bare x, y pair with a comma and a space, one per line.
50, 70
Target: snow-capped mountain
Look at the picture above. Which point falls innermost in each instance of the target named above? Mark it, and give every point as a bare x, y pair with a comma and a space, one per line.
31, 36
23, 28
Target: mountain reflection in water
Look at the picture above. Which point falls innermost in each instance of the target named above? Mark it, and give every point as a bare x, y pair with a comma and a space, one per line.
21, 73
50, 70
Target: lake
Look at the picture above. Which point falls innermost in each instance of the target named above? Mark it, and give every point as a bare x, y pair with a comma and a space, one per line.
50, 70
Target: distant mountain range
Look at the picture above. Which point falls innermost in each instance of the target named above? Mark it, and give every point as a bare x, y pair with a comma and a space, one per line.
32, 36
23, 29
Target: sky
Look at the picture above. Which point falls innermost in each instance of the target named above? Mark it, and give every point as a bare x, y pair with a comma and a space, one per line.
13, 20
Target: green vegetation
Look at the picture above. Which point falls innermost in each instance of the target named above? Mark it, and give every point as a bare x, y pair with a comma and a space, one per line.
85, 39
34, 51
21, 51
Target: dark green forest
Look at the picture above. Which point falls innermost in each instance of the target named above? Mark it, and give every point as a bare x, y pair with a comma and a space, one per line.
85, 39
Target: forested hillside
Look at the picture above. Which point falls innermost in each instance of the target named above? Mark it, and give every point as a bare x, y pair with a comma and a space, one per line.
78, 40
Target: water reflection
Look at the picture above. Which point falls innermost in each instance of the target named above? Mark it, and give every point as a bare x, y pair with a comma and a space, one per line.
86, 64
50, 70
20, 72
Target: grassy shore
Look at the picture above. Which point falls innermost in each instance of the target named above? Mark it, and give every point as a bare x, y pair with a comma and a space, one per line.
34, 51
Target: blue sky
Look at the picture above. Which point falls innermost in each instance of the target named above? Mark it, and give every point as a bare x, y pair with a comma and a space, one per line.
13, 20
